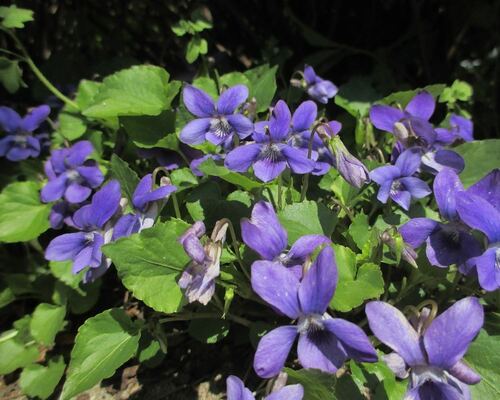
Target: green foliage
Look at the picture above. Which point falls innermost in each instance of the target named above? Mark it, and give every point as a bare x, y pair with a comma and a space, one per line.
139, 90
104, 342
356, 284
458, 91
40, 381
209, 330
127, 177
14, 17
480, 158
210, 168
149, 263
22, 216
262, 85
11, 75
317, 385
307, 218
46, 321
482, 357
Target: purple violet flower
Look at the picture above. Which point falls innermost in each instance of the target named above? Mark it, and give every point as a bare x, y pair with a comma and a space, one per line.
20, 143
324, 342
446, 243
70, 174
461, 129
146, 202
62, 213
198, 279
479, 208
396, 181
270, 154
264, 234
432, 353
84, 248
236, 390
411, 126
318, 88
216, 122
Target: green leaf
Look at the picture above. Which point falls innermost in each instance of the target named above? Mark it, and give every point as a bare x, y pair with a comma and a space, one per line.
103, 343
484, 358
62, 271
13, 17
15, 354
39, 381
180, 28
149, 263
10, 75
46, 321
22, 216
147, 131
195, 47
356, 96
262, 85
404, 97
208, 330
355, 284
234, 78
127, 177
207, 85
203, 200
139, 90
199, 20
480, 158
307, 218
71, 126
459, 90
317, 385
387, 386
209, 167
360, 230
86, 92
183, 179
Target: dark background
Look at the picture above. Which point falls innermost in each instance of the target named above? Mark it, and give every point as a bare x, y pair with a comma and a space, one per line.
386, 45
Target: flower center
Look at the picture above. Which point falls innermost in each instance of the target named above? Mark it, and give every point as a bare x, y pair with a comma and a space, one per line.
497, 259
21, 140
271, 152
425, 373
89, 237
220, 127
72, 175
396, 186
310, 324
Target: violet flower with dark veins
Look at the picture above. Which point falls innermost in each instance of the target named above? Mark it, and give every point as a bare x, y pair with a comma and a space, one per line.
325, 343
397, 181
19, 142
147, 203
70, 174
432, 354
446, 243
264, 234
411, 126
198, 279
479, 208
236, 390
316, 87
270, 154
216, 123
84, 248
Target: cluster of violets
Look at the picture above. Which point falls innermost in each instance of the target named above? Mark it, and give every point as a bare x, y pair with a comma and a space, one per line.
427, 349
99, 218
297, 282
20, 142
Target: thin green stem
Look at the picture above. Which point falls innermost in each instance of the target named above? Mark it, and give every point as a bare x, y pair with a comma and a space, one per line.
236, 248
190, 316
41, 77
280, 183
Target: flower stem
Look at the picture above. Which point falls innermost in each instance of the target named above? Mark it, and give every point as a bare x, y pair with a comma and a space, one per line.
41, 77
280, 184
236, 248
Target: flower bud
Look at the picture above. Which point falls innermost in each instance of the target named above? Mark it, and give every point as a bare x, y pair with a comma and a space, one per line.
351, 169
